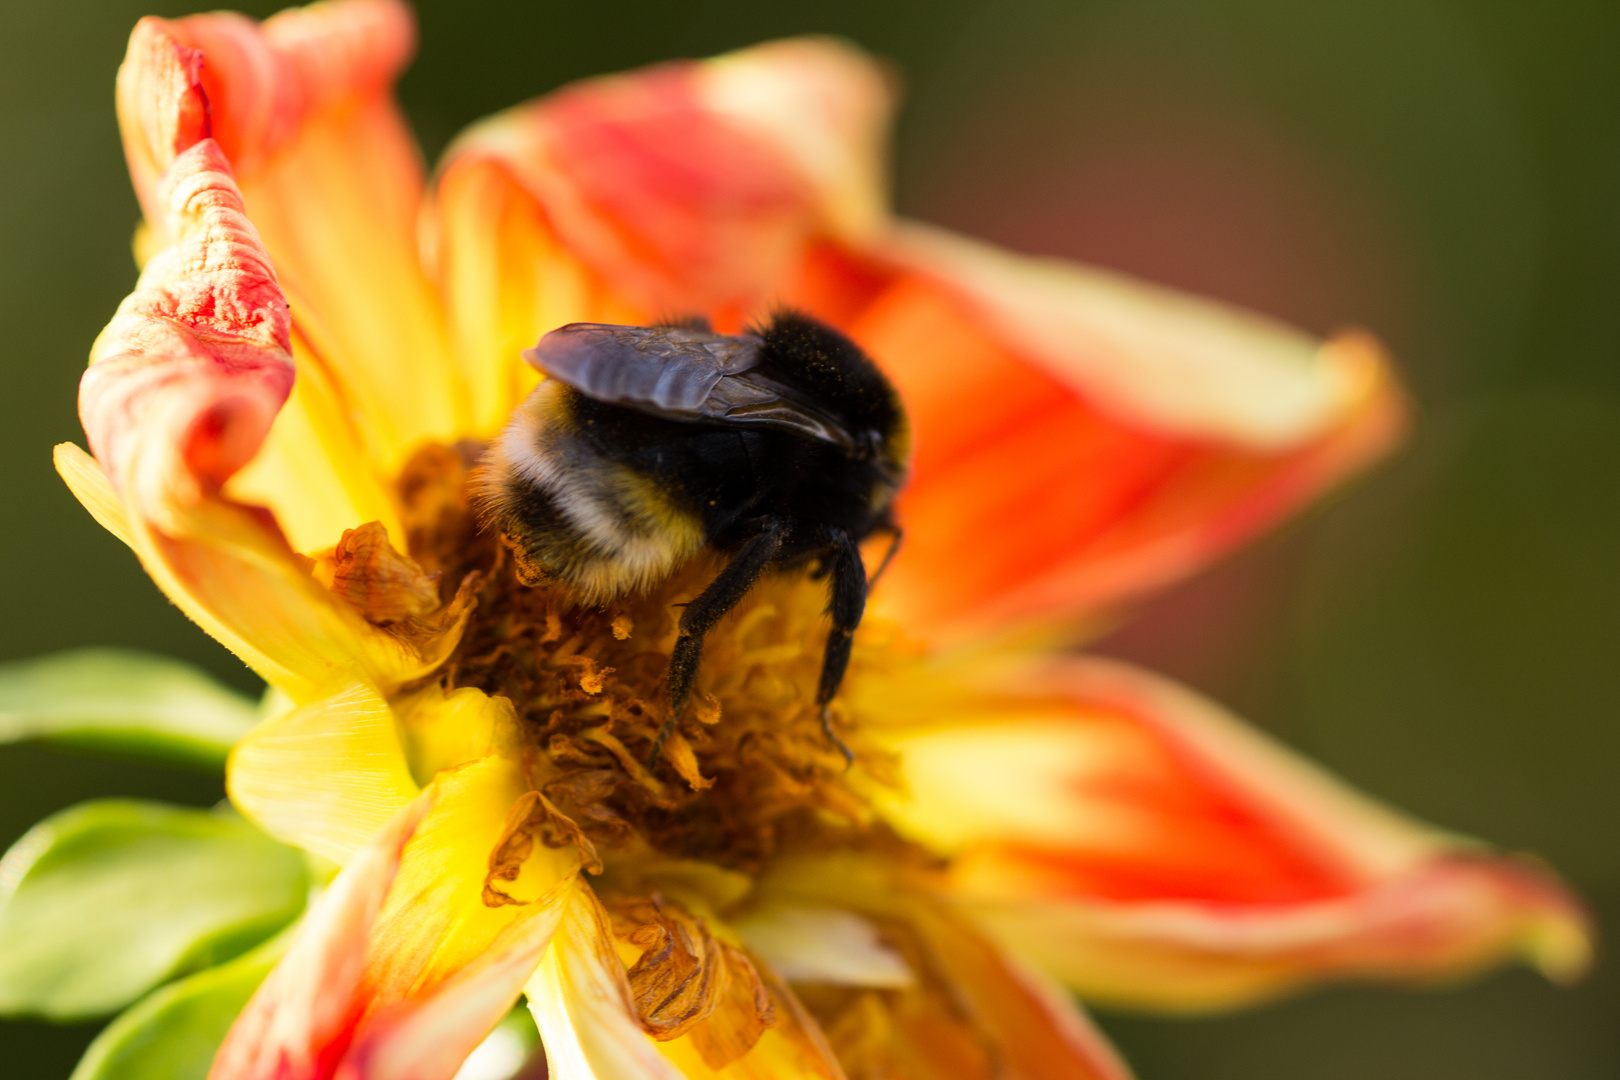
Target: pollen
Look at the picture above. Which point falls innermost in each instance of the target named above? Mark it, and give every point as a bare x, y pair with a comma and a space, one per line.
748, 770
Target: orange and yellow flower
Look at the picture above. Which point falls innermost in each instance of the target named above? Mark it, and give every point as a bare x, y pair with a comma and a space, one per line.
281, 416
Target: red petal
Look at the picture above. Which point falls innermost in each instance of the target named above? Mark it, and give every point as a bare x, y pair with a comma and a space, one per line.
300, 1021
697, 187
1147, 847
1082, 439
195, 365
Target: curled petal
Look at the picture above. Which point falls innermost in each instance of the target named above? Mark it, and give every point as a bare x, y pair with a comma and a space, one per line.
1143, 845
183, 386
1134, 433
302, 107
198, 354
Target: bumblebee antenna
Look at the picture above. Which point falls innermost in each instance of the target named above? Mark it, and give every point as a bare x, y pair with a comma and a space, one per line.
896, 534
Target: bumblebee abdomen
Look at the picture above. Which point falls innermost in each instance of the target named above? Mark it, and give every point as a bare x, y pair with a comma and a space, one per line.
575, 510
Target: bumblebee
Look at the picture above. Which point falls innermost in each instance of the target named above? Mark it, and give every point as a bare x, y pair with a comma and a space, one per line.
779, 449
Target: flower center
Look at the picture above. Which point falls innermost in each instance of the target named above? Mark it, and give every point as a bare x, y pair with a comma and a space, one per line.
747, 772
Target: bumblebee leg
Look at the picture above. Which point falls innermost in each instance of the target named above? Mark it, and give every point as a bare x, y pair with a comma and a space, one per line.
846, 603
721, 595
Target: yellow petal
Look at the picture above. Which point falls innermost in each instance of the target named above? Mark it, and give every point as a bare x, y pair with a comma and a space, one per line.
439, 917
441, 731
337, 1004
505, 276
325, 776
91, 487
312, 471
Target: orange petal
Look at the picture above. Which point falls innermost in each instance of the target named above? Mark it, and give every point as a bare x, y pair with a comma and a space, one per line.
1082, 438
440, 917
1039, 1032
431, 1038
302, 107
183, 386
1148, 848
688, 187
506, 279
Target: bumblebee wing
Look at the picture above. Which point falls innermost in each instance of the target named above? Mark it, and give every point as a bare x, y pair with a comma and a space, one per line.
669, 369
680, 373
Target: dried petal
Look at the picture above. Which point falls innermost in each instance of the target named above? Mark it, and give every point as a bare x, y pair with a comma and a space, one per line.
382, 584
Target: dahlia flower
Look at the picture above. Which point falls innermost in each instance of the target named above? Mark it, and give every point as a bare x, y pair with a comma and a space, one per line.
281, 419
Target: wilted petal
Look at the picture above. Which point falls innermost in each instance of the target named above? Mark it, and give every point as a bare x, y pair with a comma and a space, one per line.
688, 187
302, 107
1132, 432
714, 1009
581, 1003
184, 384
793, 1048
1146, 847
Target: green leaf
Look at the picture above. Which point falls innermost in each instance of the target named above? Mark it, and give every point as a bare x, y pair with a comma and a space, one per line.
174, 1033
123, 701
107, 899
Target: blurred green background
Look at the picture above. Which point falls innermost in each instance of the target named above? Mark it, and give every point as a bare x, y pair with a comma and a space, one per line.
1446, 634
